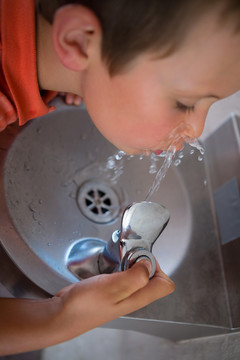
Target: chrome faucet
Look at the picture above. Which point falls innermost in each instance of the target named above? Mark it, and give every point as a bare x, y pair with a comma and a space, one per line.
141, 225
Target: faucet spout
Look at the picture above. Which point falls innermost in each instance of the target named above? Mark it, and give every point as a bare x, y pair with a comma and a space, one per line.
141, 225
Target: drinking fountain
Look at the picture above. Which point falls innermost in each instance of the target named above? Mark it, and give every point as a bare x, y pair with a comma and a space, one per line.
141, 225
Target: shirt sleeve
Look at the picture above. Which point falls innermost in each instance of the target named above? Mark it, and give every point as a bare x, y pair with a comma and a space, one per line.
8, 114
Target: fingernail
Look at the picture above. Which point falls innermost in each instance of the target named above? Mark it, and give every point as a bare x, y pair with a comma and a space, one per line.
148, 265
78, 101
69, 101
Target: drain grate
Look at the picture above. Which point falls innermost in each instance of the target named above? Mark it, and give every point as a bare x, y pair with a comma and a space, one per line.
98, 201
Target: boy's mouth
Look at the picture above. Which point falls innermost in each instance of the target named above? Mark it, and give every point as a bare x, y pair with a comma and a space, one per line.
178, 145
158, 152
175, 140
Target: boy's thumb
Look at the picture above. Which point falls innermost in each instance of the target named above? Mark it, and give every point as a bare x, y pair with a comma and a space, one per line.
146, 263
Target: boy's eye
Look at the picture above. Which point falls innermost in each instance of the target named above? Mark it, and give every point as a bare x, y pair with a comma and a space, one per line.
184, 108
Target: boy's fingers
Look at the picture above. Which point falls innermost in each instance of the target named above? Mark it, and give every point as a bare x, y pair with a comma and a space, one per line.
69, 98
72, 99
77, 100
158, 287
147, 264
123, 284
117, 286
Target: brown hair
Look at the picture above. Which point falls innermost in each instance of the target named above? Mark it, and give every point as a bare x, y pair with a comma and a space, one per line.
131, 27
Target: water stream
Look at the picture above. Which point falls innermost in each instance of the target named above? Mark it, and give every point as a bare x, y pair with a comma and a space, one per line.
114, 166
169, 156
162, 171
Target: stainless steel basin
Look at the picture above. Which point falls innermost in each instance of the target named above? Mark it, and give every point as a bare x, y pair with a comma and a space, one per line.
50, 170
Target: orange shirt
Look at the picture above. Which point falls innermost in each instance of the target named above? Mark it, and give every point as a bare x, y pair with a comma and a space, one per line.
20, 96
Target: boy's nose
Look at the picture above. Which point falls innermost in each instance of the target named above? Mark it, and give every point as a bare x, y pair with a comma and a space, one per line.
194, 126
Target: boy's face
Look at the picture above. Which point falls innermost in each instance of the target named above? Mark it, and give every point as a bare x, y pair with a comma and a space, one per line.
138, 109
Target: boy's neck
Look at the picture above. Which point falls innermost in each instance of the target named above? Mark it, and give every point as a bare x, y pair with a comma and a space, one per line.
52, 75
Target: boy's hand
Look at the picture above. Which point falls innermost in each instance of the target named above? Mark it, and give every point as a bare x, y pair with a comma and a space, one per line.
100, 299
71, 99
33, 324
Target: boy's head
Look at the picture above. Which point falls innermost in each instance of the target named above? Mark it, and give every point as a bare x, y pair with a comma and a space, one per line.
130, 28
160, 63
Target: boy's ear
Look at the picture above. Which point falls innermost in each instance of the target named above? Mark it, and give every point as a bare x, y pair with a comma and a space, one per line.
76, 33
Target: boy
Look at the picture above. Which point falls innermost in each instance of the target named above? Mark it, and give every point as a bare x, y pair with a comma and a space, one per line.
143, 69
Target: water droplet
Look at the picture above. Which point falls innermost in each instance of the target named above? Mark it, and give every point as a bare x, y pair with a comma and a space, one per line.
180, 155
32, 207
26, 167
205, 182
154, 157
192, 151
195, 143
40, 201
200, 158
83, 136
153, 164
130, 157
177, 162
152, 169
114, 166
163, 154
72, 195
110, 163
119, 155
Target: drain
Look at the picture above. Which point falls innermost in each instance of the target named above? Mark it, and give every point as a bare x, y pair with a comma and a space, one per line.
98, 201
